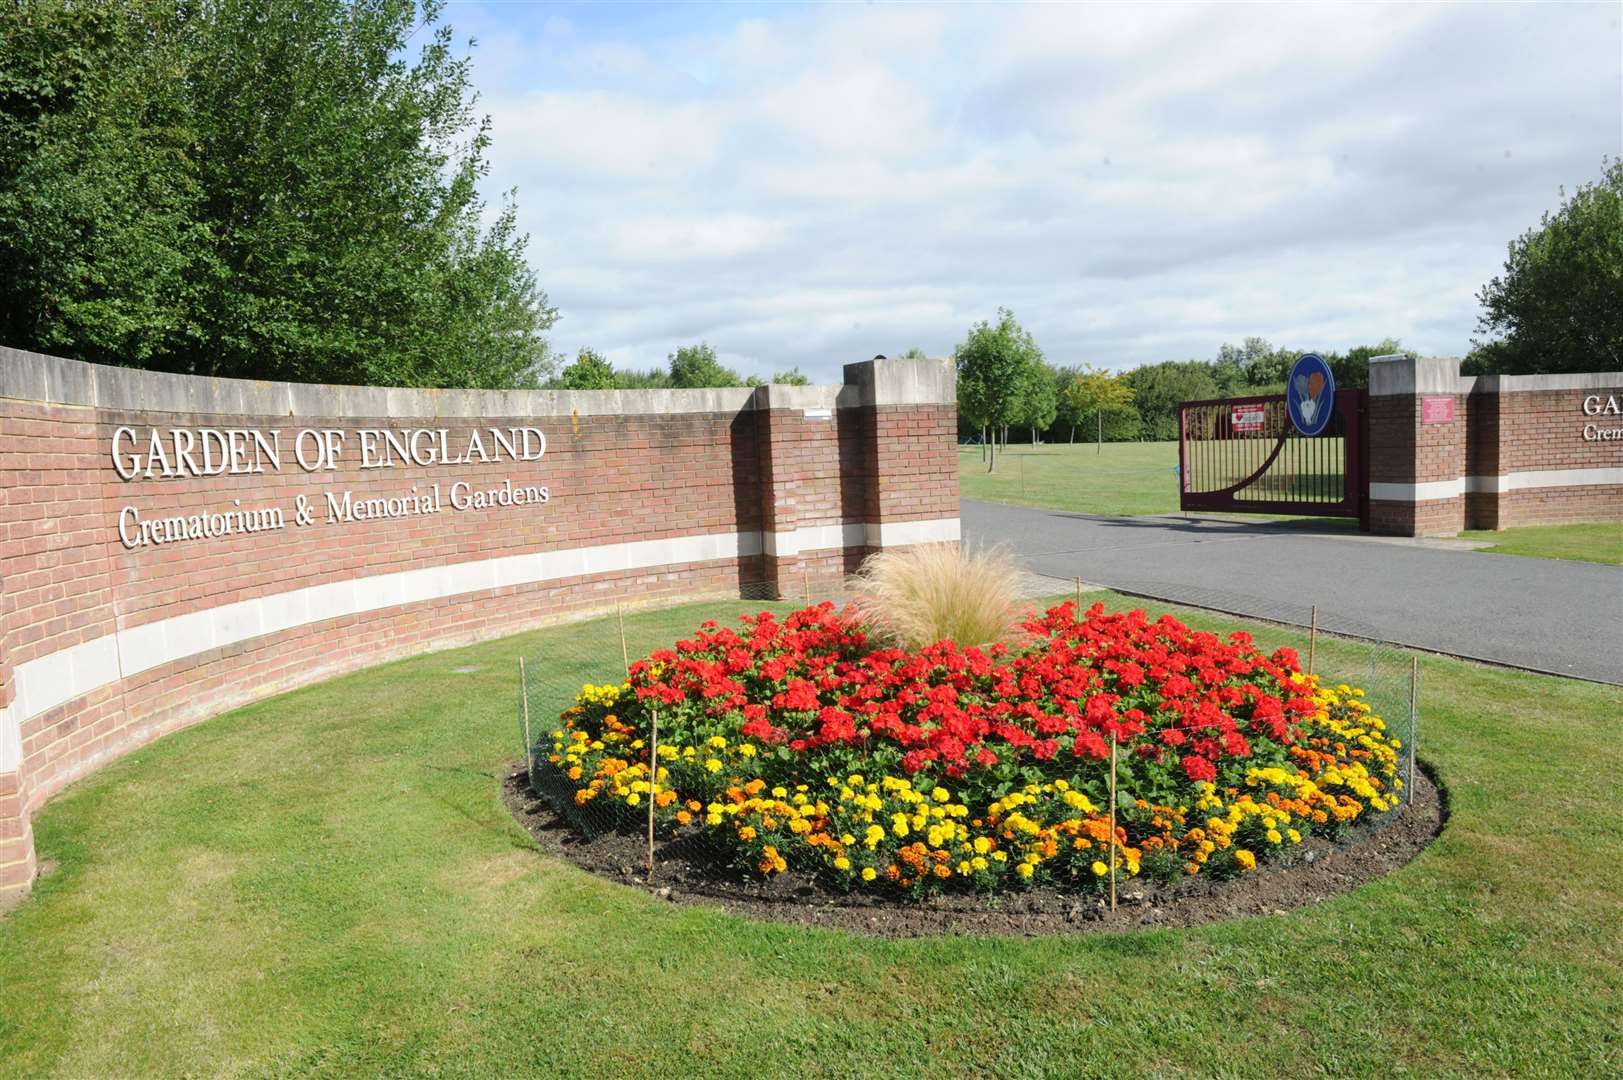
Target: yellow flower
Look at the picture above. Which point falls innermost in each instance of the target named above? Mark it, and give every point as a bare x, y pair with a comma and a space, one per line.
868, 873
842, 863
713, 765
1024, 870
1246, 860
1274, 837
1100, 868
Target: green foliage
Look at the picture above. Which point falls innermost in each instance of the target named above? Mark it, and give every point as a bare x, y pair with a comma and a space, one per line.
1039, 398
696, 367
993, 362
256, 190
1088, 394
1558, 307
793, 377
1158, 390
914, 353
590, 371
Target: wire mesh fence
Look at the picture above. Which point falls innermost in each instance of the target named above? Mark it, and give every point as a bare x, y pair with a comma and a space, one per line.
646, 804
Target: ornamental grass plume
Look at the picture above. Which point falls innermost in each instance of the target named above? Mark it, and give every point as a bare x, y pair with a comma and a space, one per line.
940, 592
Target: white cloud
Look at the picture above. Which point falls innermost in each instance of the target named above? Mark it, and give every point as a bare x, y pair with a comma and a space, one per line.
1137, 183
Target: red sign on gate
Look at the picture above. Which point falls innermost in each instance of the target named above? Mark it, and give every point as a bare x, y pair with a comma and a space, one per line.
1248, 418
1437, 410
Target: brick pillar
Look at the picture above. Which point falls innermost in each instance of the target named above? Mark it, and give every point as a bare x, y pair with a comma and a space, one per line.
910, 412
781, 431
1484, 403
16, 837
1416, 456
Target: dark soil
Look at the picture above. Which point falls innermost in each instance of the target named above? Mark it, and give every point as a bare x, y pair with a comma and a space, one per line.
1316, 871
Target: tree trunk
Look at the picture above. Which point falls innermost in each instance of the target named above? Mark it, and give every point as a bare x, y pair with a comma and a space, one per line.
1073, 434
1101, 434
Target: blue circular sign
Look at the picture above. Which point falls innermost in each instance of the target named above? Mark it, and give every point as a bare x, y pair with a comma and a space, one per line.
1310, 394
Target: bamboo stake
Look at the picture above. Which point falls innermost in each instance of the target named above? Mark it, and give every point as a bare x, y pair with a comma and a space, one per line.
1312, 639
625, 657
524, 697
653, 786
1079, 594
1022, 460
1414, 715
805, 581
1112, 823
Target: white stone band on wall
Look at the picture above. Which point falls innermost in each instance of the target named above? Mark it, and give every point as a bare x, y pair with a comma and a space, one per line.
1518, 481
48, 681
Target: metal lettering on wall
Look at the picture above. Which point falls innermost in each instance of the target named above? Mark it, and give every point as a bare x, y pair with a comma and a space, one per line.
1599, 405
180, 453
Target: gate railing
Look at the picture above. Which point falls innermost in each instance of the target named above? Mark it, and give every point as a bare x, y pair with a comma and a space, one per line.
1243, 455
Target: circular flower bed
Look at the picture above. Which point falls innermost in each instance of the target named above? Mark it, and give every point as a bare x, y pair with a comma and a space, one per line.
801, 744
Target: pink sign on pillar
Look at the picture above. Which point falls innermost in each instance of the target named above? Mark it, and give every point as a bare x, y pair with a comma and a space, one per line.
1437, 410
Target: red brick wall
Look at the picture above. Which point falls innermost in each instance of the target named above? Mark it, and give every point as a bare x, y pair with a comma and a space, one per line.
713, 476
1514, 454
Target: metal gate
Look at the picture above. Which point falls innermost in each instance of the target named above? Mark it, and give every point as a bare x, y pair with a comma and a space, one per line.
1244, 455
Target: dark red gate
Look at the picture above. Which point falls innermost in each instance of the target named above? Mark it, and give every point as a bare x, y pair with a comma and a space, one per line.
1244, 455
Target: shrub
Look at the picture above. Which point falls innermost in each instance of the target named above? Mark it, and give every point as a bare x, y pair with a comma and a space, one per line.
800, 744
940, 592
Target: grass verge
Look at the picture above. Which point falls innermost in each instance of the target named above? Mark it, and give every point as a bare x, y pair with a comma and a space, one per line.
327, 883
1596, 543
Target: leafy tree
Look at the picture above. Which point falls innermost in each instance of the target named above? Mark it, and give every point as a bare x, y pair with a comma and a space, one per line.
696, 367
1095, 395
793, 377
590, 371
1558, 307
1158, 390
254, 189
915, 353
1039, 399
652, 379
992, 365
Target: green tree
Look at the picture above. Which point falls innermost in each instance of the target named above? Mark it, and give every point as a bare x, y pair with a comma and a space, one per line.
696, 367
246, 188
992, 365
1158, 390
793, 377
915, 353
652, 379
1039, 399
1097, 396
1558, 307
590, 371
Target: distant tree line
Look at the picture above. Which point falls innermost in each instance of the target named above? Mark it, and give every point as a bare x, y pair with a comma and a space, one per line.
691, 367
1007, 386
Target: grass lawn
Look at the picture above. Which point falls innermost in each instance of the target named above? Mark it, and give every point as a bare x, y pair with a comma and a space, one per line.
1598, 543
1125, 479
1118, 480
327, 883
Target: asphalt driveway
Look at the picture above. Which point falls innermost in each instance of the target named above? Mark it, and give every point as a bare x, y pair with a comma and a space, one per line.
1543, 614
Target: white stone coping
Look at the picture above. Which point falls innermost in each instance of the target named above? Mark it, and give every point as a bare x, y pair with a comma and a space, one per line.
48, 681
1526, 384
1399, 375
35, 377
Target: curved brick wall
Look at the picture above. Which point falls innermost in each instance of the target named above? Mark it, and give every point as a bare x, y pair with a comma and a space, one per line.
142, 591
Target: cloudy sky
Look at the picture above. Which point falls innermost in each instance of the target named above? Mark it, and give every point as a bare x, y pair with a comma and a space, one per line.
811, 185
